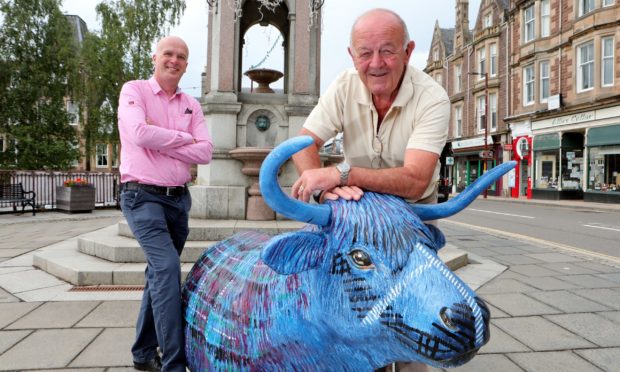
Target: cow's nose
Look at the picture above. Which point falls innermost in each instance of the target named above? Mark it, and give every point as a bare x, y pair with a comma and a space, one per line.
446, 316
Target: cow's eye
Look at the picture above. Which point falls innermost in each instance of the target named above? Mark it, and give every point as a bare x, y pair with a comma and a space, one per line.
361, 259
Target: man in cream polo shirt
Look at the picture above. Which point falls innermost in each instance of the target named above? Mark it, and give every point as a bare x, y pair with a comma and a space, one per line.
394, 119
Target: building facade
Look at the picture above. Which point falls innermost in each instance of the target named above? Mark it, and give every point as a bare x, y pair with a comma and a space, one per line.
545, 74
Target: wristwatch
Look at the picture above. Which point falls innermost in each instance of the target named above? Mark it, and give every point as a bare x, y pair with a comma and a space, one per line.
344, 168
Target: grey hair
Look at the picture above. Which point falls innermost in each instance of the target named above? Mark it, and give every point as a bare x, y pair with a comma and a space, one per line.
398, 18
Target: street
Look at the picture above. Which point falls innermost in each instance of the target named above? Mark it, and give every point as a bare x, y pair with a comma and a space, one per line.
583, 230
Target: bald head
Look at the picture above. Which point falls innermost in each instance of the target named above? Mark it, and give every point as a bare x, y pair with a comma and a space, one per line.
173, 41
170, 61
376, 16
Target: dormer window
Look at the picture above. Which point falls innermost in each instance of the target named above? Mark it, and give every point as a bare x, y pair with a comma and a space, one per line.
487, 21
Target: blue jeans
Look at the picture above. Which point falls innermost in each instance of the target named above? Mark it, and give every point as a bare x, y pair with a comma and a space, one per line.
160, 224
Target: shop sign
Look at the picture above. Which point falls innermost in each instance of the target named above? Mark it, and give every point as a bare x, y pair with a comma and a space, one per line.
565, 120
488, 154
449, 160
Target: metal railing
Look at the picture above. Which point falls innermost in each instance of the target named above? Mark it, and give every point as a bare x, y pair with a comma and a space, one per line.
44, 183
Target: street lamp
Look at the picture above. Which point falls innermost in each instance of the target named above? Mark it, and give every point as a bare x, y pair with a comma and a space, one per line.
486, 121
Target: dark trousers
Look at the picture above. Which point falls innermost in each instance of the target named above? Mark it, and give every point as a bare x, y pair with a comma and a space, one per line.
160, 224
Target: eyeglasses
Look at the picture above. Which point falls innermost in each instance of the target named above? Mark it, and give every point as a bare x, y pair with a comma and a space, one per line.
377, 147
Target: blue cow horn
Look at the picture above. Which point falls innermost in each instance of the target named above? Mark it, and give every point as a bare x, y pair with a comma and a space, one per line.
273, 194
428, 212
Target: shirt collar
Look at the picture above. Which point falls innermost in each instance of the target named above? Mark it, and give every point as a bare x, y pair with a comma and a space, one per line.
157, 88
405, 92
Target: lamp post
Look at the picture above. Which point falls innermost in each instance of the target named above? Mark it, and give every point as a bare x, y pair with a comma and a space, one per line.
486, 120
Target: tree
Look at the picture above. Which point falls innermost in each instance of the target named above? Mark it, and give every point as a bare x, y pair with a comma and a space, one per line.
121, 51
38, 60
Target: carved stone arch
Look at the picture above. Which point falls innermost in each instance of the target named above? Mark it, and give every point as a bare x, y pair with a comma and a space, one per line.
279, 19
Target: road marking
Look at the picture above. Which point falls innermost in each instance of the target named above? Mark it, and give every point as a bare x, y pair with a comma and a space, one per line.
504, 214
568, 248
602, 227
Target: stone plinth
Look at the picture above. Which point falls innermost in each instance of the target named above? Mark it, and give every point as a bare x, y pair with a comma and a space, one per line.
252, 158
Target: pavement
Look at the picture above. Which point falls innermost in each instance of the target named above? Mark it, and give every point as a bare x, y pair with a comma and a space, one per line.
552, 308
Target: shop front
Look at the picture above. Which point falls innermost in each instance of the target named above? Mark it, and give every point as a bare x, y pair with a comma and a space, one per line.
471, 159
558, 166
603, 147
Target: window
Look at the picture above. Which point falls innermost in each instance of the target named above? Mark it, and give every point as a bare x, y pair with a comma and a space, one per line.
482, 55
436, 54
585, 67
493, 52
585, 7
457, 79
102, 155
458, 121
529, 23
545, 18
528, 85
115, 156
493, 110
544, 81
487, 21
607, 69
72, 109
438, 79
481, 119
608, 2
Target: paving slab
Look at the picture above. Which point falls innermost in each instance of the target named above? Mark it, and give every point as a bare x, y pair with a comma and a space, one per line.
505, 286
28, 280
112, 314
533, 270
614, 277
111, 348
592, 327
10, 338
515, 259
568, 302
501, 342
568, 268
599, 267
608, 359
588, 281
614, 316
10, 312
548, 283
47, 348
605, 296
518, 304
495, 312
7, 297
554, 257
540, 334
54, 315
558, 361
488, 363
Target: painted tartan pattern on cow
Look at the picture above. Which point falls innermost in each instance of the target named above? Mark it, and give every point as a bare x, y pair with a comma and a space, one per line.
358, 294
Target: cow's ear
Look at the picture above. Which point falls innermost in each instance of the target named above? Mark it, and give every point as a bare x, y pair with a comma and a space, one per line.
294, 252
437, 236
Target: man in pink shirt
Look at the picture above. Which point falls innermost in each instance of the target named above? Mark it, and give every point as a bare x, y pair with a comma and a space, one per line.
162, 132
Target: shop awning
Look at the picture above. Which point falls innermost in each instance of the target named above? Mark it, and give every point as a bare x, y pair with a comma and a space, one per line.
602, 136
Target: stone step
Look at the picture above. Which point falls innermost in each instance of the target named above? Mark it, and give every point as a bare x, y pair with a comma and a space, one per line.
107, 244
65, 261
216, 230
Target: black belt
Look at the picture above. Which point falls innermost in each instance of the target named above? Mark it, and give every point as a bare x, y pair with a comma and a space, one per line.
158, 190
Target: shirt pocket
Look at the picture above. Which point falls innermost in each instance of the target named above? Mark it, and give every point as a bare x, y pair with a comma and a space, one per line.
183, 122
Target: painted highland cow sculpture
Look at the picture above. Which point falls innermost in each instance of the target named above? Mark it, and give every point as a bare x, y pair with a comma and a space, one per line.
360, 289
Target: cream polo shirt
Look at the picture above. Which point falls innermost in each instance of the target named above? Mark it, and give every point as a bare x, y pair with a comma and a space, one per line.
418, 119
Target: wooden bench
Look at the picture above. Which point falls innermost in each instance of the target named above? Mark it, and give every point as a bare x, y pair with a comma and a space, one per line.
14, 193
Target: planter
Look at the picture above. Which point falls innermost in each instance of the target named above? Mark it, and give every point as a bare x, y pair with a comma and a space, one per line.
75, 199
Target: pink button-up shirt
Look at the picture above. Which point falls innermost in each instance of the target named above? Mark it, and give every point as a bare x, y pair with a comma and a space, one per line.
160, 136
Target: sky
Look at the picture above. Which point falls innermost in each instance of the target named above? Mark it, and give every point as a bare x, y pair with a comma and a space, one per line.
338, 17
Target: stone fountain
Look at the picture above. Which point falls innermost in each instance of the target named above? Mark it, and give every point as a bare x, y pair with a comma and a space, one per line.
252, 158
263, 77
